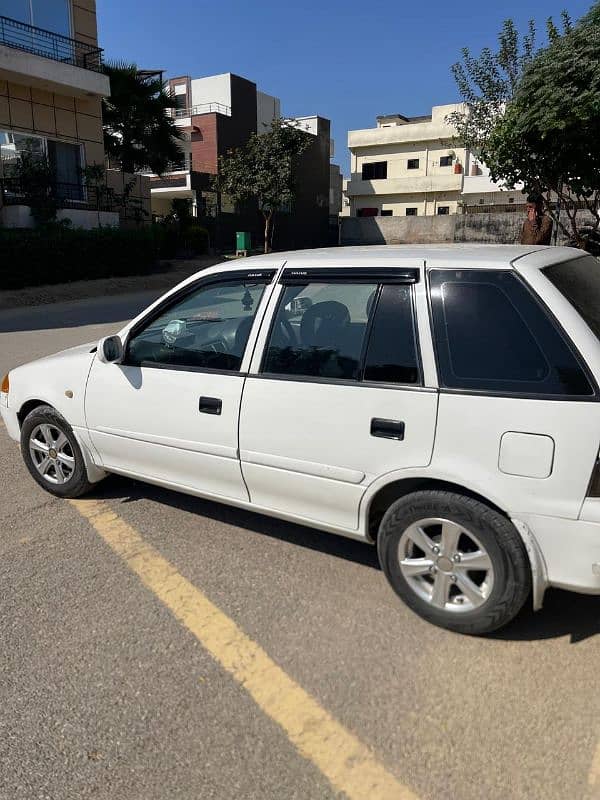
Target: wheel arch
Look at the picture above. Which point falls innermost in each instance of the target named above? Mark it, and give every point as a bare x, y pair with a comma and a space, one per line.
28, 407
395, 489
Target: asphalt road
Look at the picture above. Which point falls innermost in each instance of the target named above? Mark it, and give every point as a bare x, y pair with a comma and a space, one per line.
107, 691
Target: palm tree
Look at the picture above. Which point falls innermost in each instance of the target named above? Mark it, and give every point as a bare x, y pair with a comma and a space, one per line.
138, 131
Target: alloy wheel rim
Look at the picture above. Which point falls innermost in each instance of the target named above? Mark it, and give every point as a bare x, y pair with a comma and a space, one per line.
445, 565
52, 454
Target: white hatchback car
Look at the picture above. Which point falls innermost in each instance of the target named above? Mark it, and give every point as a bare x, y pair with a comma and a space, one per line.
441, 401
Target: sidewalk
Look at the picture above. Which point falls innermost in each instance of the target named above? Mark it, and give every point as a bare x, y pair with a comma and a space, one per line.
170, 273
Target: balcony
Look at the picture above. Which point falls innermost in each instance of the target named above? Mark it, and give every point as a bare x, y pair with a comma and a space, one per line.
202, 108
406, 185
84, 206
49, 60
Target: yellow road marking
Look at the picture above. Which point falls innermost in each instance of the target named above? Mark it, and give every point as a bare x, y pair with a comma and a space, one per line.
594, 773
348, 764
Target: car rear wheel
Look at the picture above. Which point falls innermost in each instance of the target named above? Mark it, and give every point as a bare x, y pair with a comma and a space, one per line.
52, 454
454, 560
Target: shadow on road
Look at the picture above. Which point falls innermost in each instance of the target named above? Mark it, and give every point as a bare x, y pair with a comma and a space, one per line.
563, 614
77, 313
129, 491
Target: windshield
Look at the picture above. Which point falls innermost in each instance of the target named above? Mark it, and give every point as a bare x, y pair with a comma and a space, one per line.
579, 281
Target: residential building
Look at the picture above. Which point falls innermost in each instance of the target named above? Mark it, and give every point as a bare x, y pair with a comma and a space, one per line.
51, 87
219, 113
413, 166
480, 192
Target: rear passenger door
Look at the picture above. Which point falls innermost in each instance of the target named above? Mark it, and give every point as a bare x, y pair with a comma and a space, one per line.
335, 396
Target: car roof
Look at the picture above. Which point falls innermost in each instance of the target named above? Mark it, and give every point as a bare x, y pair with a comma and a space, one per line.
473, 256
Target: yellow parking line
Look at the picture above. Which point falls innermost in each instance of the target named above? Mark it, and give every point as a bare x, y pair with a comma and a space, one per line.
594, 773
348, 764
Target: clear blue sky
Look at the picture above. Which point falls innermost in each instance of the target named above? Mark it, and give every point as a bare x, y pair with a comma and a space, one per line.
346, 61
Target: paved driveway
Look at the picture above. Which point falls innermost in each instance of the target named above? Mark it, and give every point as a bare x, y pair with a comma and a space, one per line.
158, 646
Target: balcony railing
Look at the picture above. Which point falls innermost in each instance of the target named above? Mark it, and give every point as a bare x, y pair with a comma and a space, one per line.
15, 192
203, 108
49, 45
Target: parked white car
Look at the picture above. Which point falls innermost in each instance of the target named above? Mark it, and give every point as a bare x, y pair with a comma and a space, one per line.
441, 402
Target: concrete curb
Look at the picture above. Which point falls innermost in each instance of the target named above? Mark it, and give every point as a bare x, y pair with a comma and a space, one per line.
171, 274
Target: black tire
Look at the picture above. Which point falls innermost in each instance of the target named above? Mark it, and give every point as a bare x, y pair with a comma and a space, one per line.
77, 482
497, 535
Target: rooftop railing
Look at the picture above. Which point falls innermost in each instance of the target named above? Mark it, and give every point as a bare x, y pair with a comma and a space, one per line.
49, 45
203, 108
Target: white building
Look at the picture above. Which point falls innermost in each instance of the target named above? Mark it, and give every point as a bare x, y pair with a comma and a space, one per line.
413, 166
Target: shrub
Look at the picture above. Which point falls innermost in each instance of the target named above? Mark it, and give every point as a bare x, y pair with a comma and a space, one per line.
55, 254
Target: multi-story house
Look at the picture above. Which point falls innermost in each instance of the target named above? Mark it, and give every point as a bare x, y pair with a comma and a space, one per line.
413, 166
217, 114
51, 86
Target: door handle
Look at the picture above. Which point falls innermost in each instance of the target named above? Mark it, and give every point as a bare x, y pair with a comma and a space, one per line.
210, 405
387, 429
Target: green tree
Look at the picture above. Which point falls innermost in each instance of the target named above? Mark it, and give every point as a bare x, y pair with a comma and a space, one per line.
548, 137
487, 82
265, 169
139, 133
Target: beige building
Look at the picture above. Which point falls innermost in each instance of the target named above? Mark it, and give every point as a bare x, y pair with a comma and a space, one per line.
51, 86
412, 166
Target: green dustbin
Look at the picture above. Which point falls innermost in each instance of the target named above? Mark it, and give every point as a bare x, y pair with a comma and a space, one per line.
242, 241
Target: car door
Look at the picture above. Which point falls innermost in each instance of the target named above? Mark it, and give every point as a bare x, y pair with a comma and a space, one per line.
335, 397
169, 412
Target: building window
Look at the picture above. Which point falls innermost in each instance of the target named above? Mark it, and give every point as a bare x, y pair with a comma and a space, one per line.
387, 212
65, 161
51, 15
446, 161
411, 212
482, 201
412, 163
443, 210
377, 170
367, 212
511, 199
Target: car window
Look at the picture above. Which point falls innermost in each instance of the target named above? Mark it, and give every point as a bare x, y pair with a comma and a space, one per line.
392, 349
319, 330
209, 328
492, 335
579, 281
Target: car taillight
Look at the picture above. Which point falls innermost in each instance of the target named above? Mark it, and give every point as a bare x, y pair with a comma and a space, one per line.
5, 384
594, 484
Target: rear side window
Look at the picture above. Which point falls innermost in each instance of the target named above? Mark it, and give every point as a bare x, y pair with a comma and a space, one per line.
579, 281
493, 336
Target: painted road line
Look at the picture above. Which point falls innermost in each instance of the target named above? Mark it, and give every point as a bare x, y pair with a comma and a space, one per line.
348, 764
594, 774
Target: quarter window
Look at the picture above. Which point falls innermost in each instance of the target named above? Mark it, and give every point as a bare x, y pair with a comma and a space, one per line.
492, 335
209, 328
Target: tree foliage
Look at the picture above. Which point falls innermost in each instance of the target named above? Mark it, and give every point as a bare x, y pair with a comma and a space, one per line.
488, 82
265, 170
548, 137
138, 132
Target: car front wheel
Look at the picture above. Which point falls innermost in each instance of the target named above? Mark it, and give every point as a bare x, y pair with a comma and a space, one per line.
454, 560
52, 454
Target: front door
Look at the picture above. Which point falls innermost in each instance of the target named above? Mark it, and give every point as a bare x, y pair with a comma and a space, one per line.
170, 411
338, 397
